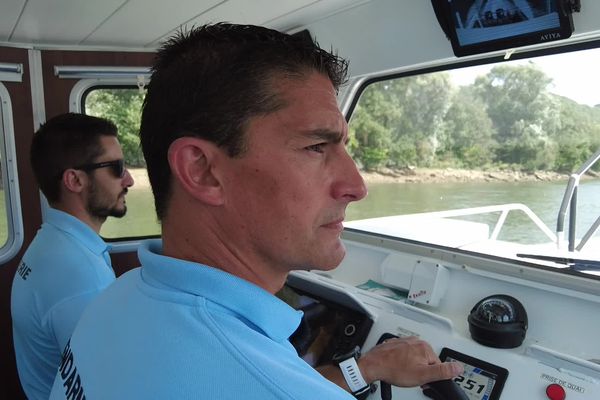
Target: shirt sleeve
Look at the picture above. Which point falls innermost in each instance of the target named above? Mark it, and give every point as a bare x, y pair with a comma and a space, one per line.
63, 317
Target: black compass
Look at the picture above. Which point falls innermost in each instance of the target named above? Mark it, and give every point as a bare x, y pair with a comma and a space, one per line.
498, 321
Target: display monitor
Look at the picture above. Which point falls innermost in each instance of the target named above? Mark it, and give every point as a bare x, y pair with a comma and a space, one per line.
480, 379
479, 26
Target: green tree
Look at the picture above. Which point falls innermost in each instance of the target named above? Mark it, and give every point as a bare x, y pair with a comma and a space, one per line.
521, 108
370, 130
513, 95
468, 131
579, 134
423, 101
400, 122
506, 118
123, 107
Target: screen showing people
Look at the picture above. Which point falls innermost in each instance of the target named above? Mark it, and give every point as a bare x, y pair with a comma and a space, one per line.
479, 21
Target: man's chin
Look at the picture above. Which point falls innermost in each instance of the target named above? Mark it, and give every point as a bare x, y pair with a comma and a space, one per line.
118, 212
331, 258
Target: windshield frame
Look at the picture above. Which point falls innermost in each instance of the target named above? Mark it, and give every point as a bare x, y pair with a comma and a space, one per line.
523, 268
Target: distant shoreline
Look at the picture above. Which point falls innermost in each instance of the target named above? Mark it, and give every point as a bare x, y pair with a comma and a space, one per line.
435, 175
429, 175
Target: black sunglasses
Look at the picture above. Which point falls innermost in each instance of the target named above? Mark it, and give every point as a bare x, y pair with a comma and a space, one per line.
117, 167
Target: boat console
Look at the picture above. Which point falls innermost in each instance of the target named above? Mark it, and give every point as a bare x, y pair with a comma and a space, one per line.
536, 344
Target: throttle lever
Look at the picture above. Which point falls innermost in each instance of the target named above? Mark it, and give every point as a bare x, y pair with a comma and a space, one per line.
438, 390
444, 390
386, 388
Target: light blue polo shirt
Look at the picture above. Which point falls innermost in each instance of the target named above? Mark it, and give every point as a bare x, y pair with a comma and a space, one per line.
174, 329
66, 265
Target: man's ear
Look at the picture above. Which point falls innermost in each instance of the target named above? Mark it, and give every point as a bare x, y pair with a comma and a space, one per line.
192, 162
73, 180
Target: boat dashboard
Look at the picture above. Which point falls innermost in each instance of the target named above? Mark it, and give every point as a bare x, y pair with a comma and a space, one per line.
516, 336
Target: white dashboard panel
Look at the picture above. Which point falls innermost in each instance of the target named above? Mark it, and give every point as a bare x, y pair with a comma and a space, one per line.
562, 343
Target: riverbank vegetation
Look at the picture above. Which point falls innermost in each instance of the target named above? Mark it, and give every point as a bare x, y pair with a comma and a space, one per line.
507, 120
507, 125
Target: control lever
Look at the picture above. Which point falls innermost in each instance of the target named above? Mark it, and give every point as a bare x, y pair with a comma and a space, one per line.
438, 390
444, 390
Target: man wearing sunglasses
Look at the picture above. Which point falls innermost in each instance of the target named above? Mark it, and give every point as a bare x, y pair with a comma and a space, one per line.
78, 164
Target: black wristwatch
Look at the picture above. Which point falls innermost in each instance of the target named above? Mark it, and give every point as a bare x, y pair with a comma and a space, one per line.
349, 367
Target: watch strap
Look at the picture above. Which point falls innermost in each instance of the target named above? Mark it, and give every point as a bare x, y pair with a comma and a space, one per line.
352, 375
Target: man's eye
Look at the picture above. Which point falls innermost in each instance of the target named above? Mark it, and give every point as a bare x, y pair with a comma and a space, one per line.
319, 148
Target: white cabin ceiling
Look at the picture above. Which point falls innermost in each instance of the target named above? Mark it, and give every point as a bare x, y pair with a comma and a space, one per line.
145, 23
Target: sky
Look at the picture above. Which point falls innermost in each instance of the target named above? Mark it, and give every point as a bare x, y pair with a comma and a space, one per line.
575, 75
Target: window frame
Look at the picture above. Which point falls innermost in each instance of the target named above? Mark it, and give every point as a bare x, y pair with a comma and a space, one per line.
10, 179
348, 98
76, 99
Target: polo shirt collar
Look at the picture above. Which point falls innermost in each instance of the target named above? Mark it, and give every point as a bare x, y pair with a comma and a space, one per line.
75, 228
267, 312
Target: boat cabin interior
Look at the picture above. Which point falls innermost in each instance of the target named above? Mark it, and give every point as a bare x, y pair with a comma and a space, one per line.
506, 90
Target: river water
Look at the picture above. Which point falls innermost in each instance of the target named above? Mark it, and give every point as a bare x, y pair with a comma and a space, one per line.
543, 198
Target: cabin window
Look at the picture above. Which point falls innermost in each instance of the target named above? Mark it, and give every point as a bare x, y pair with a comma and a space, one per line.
122, 105
11, 223
506, 135
4, 215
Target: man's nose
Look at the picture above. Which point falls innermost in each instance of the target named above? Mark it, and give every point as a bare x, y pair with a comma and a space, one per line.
127, 180
350, 185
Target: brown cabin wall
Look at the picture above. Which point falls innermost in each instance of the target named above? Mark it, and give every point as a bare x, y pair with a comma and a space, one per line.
56, 101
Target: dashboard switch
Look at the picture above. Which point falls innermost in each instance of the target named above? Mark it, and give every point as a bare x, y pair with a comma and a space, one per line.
555, 392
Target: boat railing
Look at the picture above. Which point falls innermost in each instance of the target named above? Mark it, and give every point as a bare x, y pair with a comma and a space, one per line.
503, 209
569, 202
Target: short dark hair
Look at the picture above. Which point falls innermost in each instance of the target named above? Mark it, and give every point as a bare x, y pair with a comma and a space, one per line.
209, 81
65, 141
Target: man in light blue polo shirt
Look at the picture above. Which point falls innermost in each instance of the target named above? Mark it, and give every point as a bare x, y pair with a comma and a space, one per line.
245, 148
78, 164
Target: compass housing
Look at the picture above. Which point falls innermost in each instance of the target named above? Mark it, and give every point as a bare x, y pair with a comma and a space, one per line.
498, 321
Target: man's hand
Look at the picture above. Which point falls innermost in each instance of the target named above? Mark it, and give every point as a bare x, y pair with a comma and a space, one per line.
405, 362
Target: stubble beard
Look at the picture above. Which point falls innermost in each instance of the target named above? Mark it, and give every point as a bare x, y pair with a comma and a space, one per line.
97, 205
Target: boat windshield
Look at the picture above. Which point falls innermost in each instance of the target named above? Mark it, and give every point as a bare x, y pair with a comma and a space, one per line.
479, 158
